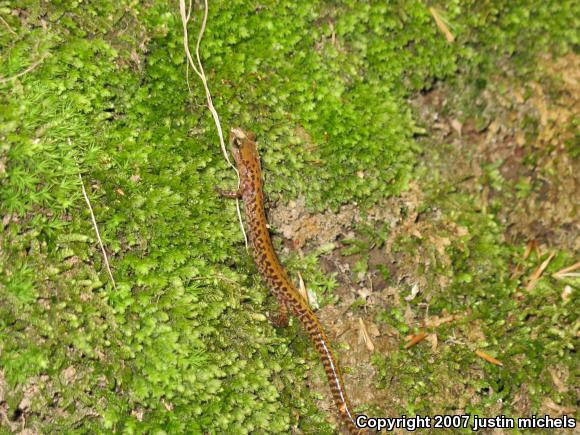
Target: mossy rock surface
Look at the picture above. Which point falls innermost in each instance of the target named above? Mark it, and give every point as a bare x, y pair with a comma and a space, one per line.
387, 188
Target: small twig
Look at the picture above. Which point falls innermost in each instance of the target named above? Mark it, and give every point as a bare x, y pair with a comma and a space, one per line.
26, 71
185, 17
97, 232
8, 26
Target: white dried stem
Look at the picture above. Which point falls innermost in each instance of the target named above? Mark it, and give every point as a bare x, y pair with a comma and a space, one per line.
106, 259
185, 17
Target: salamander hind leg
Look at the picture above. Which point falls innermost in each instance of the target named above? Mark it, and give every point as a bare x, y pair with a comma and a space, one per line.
281, 318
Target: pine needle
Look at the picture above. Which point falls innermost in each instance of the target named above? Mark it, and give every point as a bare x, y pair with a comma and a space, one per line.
532, 245
442, 26
488, 358
538, 272
415, 339
567, 271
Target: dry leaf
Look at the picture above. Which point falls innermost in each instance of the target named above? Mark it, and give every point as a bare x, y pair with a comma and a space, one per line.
566, 293
373, 330
558, 382
365, 335
168, 405
138, 414
409, 316
432, 338
561, 410
457, 126
434, 322
308, 295
414, 292
440, 243
302, 287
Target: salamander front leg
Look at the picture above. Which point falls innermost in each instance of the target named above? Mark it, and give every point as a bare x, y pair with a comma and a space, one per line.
232, 194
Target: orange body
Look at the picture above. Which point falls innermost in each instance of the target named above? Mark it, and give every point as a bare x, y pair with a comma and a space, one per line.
247, 160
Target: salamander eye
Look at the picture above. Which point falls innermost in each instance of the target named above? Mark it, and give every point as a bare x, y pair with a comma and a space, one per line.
237, 137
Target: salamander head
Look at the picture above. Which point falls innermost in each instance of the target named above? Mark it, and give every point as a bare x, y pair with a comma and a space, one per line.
243, 147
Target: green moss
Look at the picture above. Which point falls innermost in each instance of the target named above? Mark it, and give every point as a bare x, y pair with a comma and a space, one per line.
179, 345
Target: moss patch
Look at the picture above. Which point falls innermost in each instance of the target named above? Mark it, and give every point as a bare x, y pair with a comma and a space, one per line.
182, 344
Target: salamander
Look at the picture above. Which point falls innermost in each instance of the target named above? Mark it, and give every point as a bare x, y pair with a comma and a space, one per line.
243, 148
